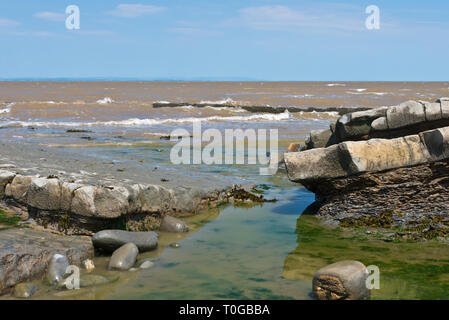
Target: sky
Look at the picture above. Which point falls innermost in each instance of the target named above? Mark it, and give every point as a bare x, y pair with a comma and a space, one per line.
226, 40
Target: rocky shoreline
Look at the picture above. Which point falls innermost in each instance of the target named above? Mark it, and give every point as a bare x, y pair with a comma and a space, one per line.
74, 208
61, 208
386, 167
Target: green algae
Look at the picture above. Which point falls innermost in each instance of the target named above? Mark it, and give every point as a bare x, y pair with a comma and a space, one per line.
408, 269
7, 221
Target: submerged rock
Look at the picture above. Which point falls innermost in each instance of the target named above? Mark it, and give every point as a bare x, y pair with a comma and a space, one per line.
175, 245
25, 290
90, 280
110, 240
343, 280
146, 264
171, 224
124, 257
57, 269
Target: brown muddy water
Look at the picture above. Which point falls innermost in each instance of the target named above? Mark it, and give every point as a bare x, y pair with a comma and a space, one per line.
261, 252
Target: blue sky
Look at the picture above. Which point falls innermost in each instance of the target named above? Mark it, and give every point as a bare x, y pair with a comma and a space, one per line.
228, 39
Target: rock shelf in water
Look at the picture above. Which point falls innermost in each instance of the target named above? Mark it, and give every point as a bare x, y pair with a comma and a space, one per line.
259, 109
399, 181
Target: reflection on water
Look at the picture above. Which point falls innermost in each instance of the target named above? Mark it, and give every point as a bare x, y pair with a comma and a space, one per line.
239, 255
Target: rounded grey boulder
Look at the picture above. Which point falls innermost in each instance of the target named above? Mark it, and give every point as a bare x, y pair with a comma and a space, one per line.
57, 269
24, 290
124, 257
110, 240
171, 224
343, 280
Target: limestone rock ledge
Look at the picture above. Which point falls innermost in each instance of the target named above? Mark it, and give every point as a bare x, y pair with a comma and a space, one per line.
400, 182
75, 208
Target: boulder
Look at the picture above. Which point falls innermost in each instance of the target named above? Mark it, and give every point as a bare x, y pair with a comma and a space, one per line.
444, 107
406, 114
314, 164
319, 139
380, 124
154, 198
344, 280
44, 194
171, 224
25, 290
124, 257
111, 202
110, 240
432, 110
83, 201
18, 188
357, 124
5, 178
57, 269
437, 143
67, 193
103, 202
382, 154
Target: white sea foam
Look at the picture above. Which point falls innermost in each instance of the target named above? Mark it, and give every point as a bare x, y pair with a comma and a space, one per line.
306, 95
224, 101
149, 122
336, 85
105, 100
7, 109
225, 109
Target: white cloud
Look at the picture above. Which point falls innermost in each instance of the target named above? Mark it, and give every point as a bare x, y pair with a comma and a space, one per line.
280, 17
8, 23
51, 16
134, 10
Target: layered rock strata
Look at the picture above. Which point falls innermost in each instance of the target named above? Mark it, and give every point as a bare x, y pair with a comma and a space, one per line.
75, 208
398, 181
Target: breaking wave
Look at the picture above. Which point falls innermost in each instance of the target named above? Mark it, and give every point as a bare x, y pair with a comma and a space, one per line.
149, 122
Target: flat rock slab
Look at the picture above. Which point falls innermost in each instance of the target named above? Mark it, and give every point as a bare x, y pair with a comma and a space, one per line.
111, 240
26, 253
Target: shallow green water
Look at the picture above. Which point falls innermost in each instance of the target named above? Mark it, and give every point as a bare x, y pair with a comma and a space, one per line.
239, 255
269, 252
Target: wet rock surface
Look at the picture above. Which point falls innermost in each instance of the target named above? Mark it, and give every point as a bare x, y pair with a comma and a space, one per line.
124, 257
171, 224
25, 254
343, 280
57, 269
110, 240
